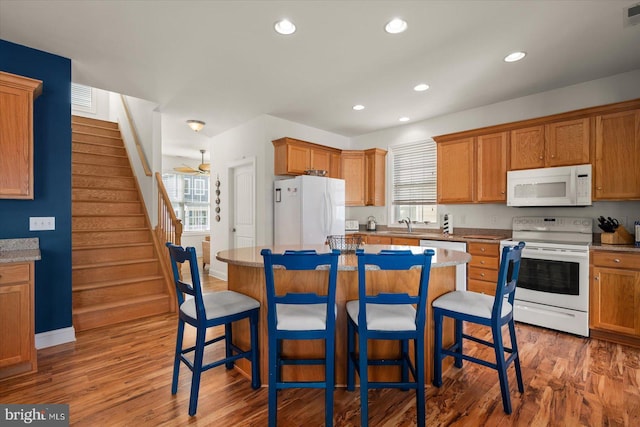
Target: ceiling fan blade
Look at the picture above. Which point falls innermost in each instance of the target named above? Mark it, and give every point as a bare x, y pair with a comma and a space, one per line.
204, 167
185, 169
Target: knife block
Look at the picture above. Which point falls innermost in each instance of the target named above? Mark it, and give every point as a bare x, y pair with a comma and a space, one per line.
619, 237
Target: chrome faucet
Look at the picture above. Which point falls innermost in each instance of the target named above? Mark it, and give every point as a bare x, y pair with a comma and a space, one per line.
407, 221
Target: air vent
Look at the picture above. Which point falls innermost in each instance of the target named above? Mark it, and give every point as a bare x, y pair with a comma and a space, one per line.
632, 15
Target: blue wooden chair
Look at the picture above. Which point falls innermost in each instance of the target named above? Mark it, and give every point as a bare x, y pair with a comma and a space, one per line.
301, 316
493, 311
204, 311
389, 316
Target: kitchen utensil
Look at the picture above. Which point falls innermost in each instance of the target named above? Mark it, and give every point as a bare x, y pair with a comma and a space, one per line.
371, 223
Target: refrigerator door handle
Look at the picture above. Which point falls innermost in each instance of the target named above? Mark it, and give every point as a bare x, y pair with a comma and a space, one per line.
331, 213
327, 214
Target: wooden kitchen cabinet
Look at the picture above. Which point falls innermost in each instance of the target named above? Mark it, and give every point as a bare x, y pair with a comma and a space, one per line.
371, 239
492, 166
294, 157
375, 159
483, 268
364, 176
617, 156
16, 135
456, 172
615, 297
555, 144
405, 241
462, 179
353, 173
17, 352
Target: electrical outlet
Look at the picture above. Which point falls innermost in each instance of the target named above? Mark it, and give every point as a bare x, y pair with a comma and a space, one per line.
42, 223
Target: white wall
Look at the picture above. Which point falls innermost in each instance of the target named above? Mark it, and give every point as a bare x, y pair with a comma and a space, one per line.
608, 90
148, 125
253, 139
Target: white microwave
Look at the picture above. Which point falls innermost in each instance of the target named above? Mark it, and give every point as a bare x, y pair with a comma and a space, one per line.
561, 186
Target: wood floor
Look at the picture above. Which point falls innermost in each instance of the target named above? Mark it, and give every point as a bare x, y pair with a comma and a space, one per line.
121, 376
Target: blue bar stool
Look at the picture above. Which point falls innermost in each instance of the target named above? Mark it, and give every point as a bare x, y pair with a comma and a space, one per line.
204, 311
389, 316
493, 311
301, 316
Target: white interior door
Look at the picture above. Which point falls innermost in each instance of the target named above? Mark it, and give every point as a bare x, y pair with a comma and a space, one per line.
243, 227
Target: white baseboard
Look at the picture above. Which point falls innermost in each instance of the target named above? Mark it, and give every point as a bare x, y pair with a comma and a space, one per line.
222, 275
55, 337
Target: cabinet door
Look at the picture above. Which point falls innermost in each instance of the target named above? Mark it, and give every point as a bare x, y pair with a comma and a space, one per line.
567, 143
16, 157
335, 168
375, 177
492, 167
15, 328
527, 148
298, 159
456, 171
378, 240
405, 241
617, 162
615, 294
353, 175
320, 159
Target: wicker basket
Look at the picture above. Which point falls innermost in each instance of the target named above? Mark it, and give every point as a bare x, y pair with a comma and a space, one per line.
344, 244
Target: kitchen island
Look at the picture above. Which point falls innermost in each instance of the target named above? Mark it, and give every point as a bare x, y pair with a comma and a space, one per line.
246, 275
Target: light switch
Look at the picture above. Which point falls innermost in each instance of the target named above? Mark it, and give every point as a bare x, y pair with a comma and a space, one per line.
42, 223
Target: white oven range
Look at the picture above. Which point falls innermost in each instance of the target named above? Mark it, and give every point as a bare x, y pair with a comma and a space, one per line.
553, 284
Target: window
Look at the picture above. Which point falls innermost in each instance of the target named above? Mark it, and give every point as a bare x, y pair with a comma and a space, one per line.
82, 98
189, 195
414, 186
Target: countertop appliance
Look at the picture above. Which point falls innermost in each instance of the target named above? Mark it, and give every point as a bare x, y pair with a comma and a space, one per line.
553, 286
461, 269
371, 224
561, 186
351, 225
307, 209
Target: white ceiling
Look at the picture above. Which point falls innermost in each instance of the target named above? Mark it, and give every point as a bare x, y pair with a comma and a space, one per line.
221, 61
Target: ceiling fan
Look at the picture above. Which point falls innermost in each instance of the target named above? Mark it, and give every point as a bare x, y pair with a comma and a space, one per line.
203, 168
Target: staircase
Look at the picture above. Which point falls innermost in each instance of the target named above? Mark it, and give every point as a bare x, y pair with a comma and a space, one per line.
116, 272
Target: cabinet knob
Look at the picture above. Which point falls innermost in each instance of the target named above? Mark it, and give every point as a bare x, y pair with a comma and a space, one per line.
481, 274
616, 260
597, 277
540, 158
553, 156
481, 262
598, 188
482, 249
502, 192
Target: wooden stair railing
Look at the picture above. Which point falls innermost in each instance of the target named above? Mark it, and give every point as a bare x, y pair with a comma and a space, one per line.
169, 228
136, 139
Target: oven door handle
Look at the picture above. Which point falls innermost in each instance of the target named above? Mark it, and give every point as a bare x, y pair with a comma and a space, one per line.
559, 254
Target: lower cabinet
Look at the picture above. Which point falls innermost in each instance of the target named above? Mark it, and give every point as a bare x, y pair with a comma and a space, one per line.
615, 296
483, 268
377, 240
17, 351
405, 241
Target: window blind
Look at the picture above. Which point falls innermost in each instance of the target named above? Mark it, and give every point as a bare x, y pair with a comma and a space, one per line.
414, 173
81, 96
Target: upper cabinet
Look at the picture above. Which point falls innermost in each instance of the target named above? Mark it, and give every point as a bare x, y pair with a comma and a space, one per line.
473, 169
364, 176
555, 144
617, 156
375, 171
294, 157
456, 171
16, 135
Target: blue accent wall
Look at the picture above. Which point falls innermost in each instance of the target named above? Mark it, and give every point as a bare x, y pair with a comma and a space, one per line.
52, 182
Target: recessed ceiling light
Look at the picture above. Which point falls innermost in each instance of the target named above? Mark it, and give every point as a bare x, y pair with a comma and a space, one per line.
404, 119
515, 56
358, 107
421, 87
395, 26
285, 27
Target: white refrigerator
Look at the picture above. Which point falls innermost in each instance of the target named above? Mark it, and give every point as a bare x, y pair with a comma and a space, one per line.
307, 209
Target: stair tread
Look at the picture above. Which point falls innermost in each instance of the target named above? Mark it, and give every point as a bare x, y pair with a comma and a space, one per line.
100, 144
99, 164
84, 187
100, 175
119, 282
93, 215
119, 156
113, 263
93, 134
111, 245
112, 230
117, 304
97, 126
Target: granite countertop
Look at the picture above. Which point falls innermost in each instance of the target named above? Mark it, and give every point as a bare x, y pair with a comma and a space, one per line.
250, 257
460, 235
19, 250
618, 248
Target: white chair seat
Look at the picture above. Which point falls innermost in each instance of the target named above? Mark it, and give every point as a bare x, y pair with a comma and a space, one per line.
302, 317
220, 304
470, 303
385, 317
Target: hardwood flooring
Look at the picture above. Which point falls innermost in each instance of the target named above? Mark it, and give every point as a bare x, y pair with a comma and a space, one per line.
121, 376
